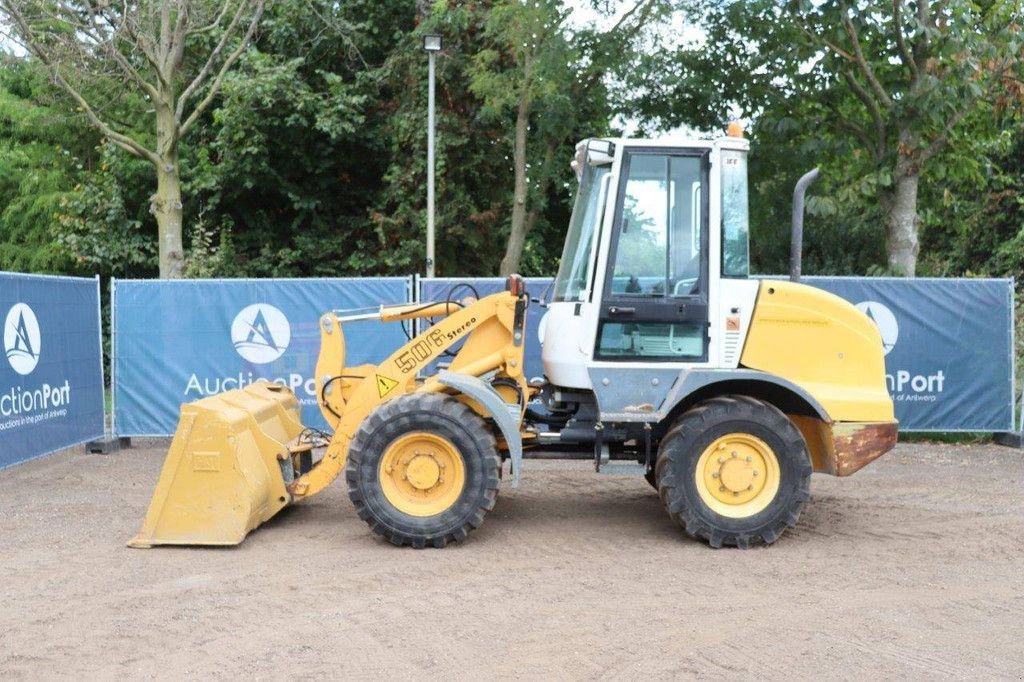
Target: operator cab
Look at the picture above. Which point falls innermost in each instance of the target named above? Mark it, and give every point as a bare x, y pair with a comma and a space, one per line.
658, 229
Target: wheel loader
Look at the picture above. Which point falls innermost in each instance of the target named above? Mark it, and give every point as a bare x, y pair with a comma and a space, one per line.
661, 355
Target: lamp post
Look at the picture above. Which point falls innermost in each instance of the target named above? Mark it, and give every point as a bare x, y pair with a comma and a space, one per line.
432, 45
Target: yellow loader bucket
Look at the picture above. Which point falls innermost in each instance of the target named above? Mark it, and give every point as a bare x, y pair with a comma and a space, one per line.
225, 472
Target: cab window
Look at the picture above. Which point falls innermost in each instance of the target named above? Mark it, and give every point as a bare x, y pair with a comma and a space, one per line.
658, 249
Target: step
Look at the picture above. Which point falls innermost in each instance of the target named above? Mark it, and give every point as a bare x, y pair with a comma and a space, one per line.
623, 469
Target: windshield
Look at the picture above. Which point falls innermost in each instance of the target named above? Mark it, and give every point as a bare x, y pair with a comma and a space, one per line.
571, 281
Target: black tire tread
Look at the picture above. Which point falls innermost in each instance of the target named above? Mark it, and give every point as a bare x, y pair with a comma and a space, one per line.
408, 409
695, 422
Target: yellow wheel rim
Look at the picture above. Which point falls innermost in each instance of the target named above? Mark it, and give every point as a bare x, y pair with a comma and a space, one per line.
421, 474
738, 475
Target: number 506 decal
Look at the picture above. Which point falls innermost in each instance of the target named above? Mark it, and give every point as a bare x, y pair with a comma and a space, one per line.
419, 351
423, 348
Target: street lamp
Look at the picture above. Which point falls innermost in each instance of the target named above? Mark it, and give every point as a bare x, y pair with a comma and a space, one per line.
432, 45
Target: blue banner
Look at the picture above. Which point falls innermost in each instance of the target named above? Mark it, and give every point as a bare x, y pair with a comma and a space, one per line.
949, 347
51, 380
179, 341
948, 342
437, 290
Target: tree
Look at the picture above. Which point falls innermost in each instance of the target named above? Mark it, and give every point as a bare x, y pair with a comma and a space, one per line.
43, 156
886, 85
291, 156
918, 72
173, 55
535, 66
472, 174
528, 66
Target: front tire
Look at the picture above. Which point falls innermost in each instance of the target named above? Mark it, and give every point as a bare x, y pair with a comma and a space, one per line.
651, 477
734, 471
423, 470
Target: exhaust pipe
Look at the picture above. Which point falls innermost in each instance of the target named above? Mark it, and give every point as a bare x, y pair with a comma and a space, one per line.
797, 241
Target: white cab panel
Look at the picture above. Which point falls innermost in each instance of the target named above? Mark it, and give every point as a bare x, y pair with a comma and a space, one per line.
565, 355
736, 300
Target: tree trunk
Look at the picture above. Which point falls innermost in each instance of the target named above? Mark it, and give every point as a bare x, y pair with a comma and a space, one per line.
541, 182
900, 205
517, 236
166, 205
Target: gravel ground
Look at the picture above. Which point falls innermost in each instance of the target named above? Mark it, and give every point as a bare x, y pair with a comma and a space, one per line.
909, 569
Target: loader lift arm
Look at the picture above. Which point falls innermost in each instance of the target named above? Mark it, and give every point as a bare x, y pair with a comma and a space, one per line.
493, 330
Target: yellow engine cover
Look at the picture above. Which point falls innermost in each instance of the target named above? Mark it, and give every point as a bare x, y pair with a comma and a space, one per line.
222, 477
823, 344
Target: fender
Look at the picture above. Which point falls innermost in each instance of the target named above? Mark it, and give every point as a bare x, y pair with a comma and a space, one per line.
499, 410
645, 394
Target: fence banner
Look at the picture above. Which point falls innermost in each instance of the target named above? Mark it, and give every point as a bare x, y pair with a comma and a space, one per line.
437, 290
51, 382
948, 342
178, 341
949, 347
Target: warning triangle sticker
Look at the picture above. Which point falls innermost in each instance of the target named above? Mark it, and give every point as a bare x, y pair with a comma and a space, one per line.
384, 385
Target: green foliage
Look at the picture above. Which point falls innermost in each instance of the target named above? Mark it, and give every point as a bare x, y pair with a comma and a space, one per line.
312, 160
41, 159
924, 107
103, 225
980, 229
472, 154
213, 253
292, 158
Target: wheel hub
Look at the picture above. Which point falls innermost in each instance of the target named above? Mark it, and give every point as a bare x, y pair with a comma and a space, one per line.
421, 473
737, 475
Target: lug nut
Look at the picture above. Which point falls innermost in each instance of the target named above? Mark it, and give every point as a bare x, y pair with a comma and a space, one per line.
749, 459
714, 474
755, 472
750, 487
735, 454
721, 488
735, 494
721, 461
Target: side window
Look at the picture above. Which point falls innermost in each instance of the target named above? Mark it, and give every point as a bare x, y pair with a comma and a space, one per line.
682, 341
735, 215
658, 248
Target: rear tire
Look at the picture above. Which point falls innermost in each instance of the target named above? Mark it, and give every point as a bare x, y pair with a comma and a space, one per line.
423, 470
734, 471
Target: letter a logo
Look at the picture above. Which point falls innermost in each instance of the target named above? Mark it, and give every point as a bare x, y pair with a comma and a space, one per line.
22, 339
261, 333
884, 320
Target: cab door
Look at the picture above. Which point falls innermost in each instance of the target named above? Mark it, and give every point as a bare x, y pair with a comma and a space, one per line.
654, 305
